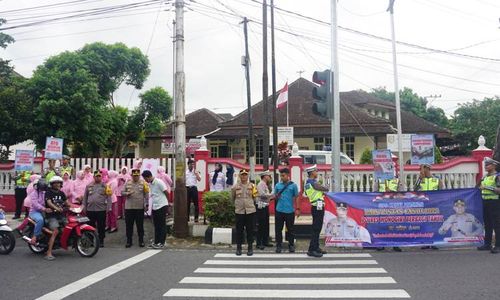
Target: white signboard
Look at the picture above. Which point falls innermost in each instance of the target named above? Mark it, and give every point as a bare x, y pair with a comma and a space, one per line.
167, 147
285, 134
392, 142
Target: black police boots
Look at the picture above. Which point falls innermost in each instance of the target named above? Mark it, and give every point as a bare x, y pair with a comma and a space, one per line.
238, 250
250, 250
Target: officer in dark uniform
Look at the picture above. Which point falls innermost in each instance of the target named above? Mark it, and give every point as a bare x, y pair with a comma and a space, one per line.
490, 189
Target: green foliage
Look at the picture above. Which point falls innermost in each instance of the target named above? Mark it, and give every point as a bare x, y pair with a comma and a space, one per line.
113, 65
412, 102
154, 110
219, 208
366, 157
477, 118
438, 157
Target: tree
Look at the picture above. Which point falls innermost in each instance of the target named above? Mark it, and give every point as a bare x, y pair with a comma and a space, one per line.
477, 118
5, 40
124, 130
412, 102
366, 157
154, 110
115, 64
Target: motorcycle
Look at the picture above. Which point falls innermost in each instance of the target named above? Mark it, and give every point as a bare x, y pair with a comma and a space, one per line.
7, 237
76, 233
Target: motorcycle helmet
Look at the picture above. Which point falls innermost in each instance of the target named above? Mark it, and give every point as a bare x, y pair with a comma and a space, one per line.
40, 185
55, 179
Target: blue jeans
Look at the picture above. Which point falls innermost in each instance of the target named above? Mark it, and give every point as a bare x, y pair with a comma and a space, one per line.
38, 218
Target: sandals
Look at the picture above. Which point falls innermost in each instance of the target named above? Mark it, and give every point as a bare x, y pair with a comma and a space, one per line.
49, 258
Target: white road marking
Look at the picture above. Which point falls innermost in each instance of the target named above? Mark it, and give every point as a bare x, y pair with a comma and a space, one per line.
78, 285
285, 256
288, 280
272, 294
292, 262
291, 270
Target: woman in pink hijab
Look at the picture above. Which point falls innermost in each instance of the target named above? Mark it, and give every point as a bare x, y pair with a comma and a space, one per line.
87, 173
79, 187
29, 190
111, 223
104, 174
68, 187
123, 177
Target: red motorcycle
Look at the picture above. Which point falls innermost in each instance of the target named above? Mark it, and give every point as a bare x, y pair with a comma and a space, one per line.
76, 233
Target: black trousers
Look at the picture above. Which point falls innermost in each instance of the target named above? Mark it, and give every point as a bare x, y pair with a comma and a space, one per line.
20, 195
98, 220
244, 222
262, 215
159, 217
192, 196
491, 215
316, 227
279, 220
134, 216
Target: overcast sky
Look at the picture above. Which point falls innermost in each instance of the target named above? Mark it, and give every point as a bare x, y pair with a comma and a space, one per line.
214, 45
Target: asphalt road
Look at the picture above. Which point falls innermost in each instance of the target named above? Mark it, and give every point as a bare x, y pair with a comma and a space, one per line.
119, 273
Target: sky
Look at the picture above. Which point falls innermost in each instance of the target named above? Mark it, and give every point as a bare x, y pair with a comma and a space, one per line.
454, 53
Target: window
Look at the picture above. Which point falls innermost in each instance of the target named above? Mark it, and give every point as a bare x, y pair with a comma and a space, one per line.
349, 146
320, 143
214, 151
259, 151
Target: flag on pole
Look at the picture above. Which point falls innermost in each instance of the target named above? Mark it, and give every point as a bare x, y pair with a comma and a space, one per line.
283, 97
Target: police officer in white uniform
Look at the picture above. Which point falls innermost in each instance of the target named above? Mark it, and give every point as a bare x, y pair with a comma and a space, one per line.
461, 224
343, 226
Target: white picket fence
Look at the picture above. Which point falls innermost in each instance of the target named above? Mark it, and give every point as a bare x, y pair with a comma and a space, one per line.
116, 163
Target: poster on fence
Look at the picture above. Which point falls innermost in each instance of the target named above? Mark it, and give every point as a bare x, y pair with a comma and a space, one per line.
437, 218
53, 148
422, 149
24, 160
383, 164
150, 164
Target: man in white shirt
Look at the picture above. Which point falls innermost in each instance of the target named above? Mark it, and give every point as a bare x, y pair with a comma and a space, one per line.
192, 178
159, 194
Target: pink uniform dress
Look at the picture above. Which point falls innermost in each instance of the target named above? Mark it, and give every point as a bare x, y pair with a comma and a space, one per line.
88, 176
111, 223
29, 190
68, 188
79, 186
123, 177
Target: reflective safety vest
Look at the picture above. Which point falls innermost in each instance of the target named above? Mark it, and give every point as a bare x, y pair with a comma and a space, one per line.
489, 181
68, 168
429, 184
23, 181
312, 194
390, 185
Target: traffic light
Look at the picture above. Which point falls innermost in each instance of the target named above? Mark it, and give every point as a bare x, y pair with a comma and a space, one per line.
322, 94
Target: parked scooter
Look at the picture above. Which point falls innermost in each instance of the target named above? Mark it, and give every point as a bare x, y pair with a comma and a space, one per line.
7, 237
76, 233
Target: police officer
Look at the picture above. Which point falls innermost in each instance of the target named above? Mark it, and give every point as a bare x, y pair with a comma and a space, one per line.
461, 224
96, 202
384, 186
314, 191
51, 170
343, 226
263, 198
66, 167
243, 194
22, 180
427, 182
490, 189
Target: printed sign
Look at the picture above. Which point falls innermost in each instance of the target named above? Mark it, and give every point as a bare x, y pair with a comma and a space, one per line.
383, 164
53, 148
167, 147
24, 160
422, 149
150, 164
392, 142
438, 218
285, 134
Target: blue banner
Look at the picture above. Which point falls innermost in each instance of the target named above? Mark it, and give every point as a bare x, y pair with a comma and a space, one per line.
437, 218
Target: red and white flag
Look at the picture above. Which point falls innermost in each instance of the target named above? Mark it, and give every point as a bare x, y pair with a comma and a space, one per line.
283, 97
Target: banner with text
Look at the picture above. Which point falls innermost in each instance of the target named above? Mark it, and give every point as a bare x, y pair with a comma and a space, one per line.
422, 149
53, 148
383, 164
24, 160
438, 218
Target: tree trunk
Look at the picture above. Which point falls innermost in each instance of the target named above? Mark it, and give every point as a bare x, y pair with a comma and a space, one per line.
496, 150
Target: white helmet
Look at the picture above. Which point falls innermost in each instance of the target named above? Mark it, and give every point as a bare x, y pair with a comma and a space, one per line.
55, 179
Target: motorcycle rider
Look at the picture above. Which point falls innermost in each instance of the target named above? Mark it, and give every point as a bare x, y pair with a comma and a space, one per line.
37, 198
56, 200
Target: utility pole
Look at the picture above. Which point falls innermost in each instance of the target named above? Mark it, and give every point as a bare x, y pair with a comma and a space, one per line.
273, 80
180, 205
402, 177
172, 171
334, 75
265, 80
246, 63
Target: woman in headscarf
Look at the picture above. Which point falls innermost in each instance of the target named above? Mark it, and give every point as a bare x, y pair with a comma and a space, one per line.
229, 176
122, 178
217, 179
29, 190
104, 174
111, 223
68, 186
162, 174
87, 173
79, 186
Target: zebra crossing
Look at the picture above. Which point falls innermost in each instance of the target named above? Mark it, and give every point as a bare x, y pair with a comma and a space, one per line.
289, 276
